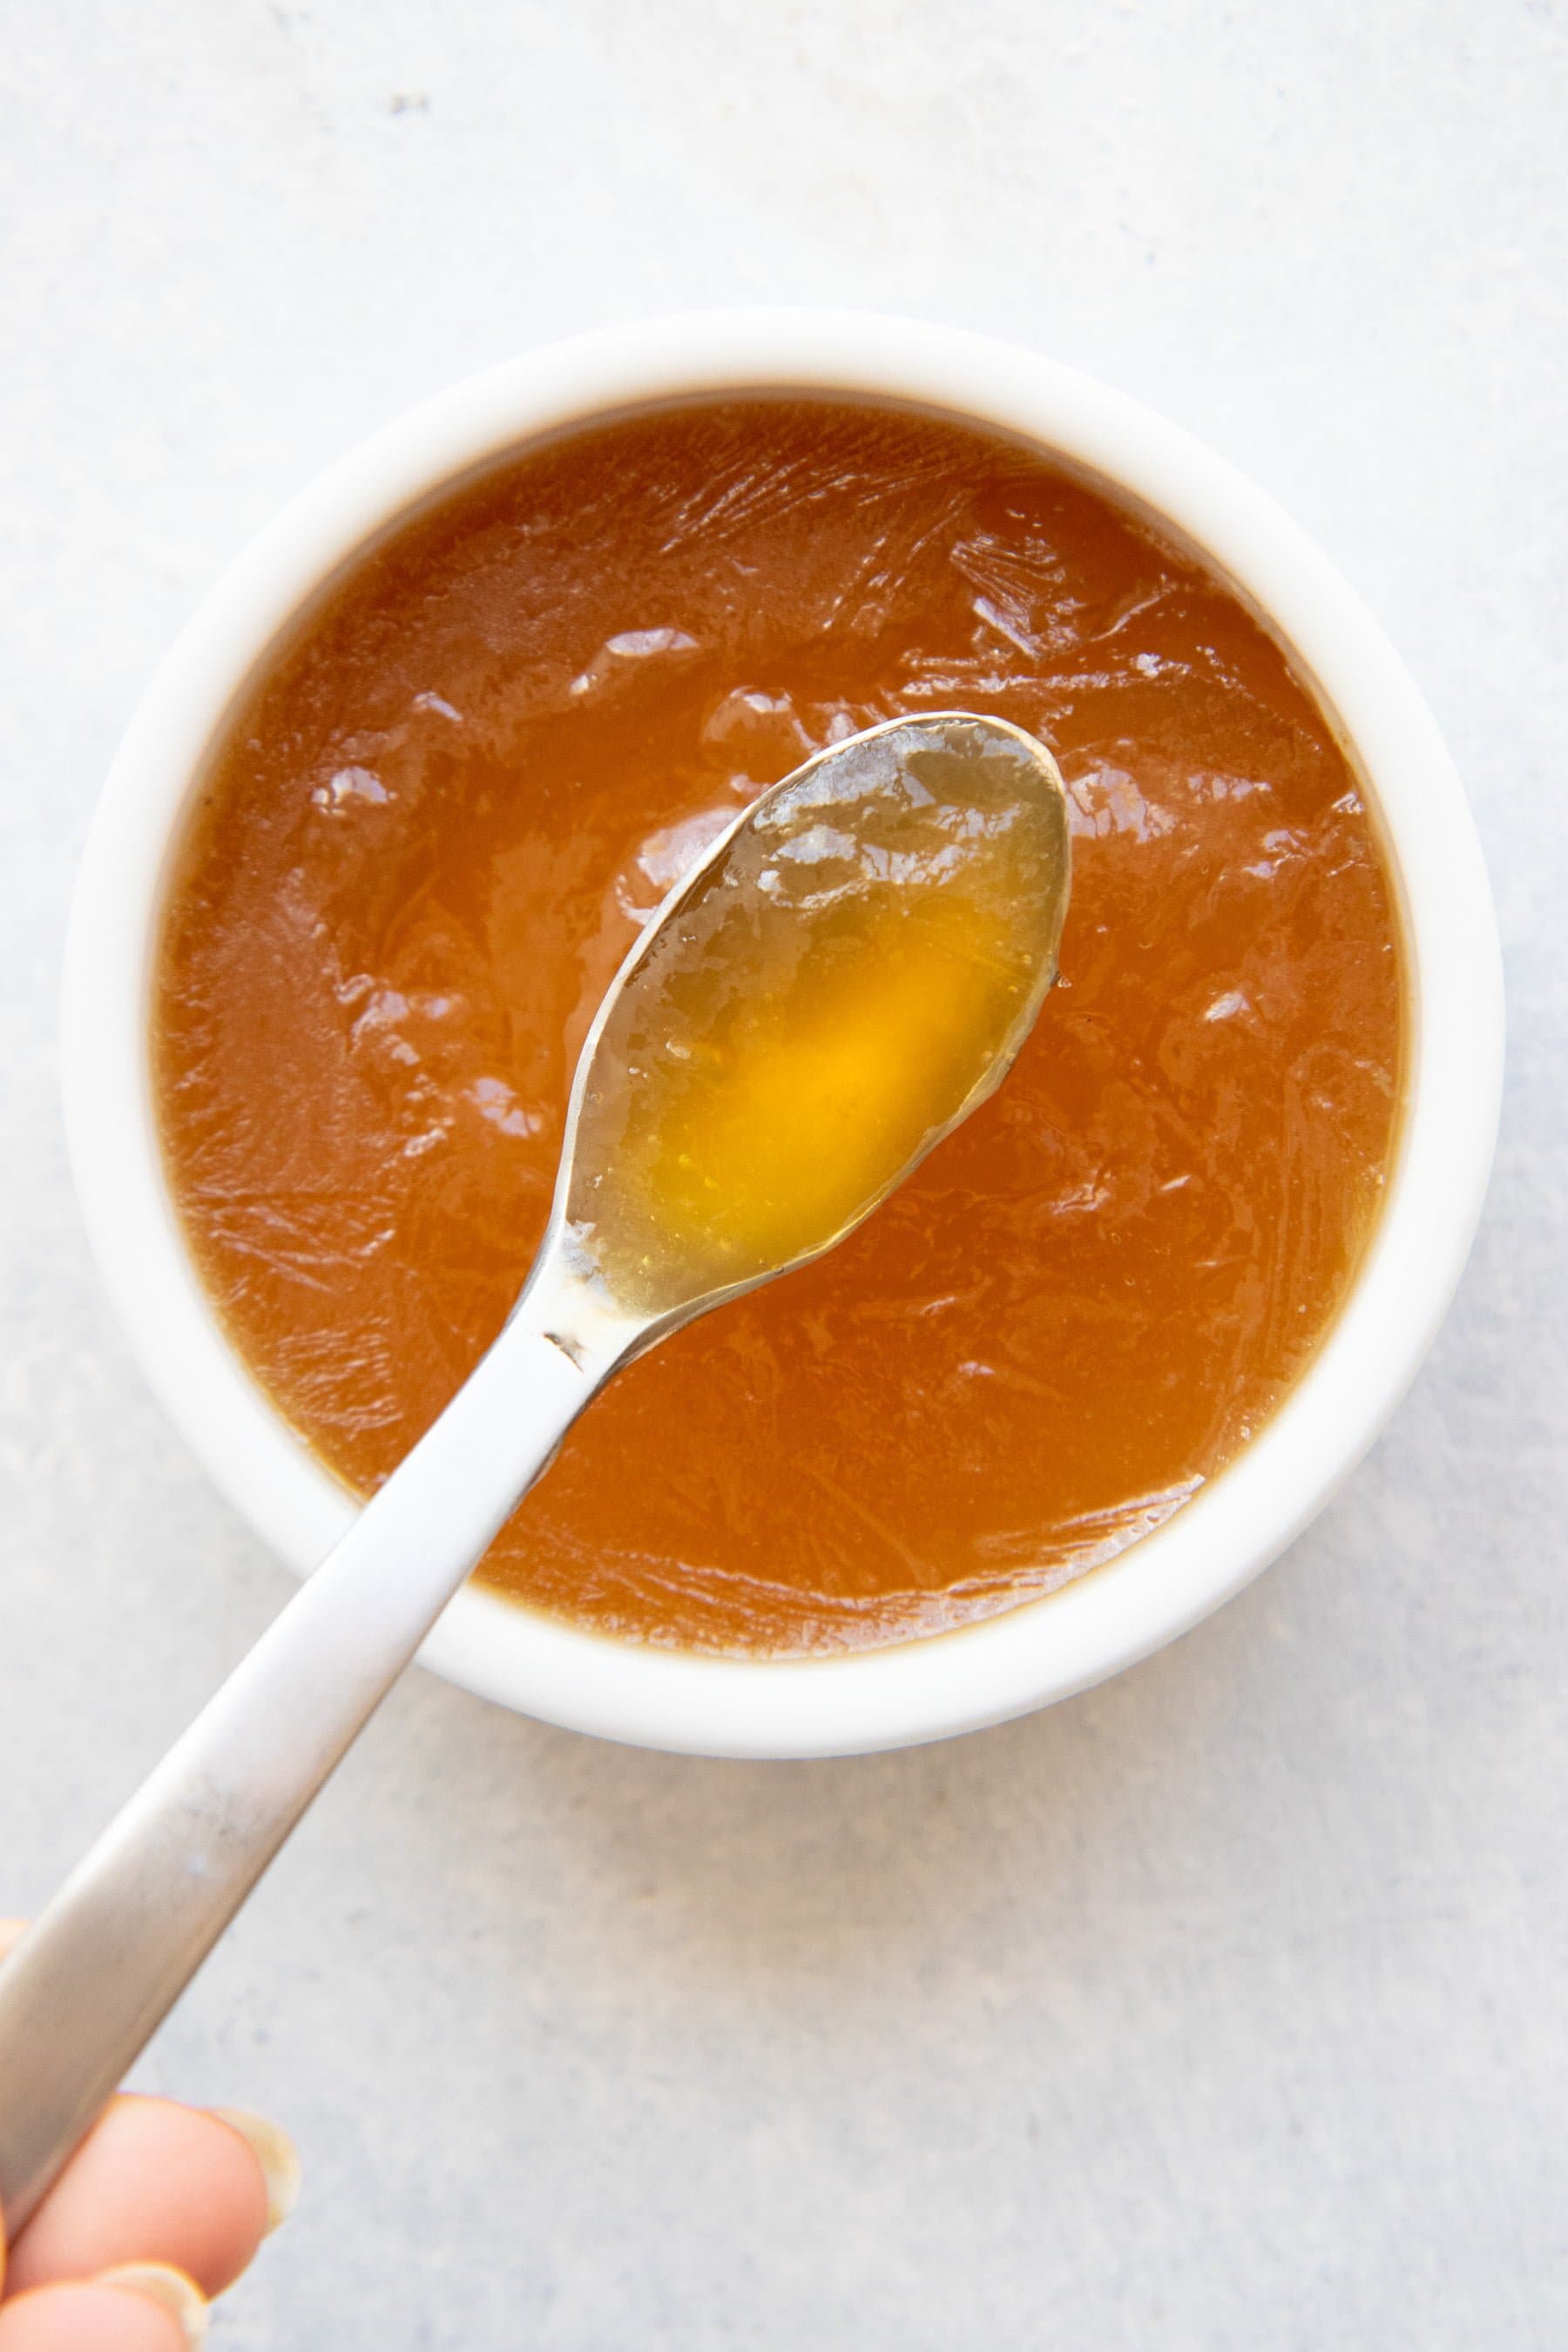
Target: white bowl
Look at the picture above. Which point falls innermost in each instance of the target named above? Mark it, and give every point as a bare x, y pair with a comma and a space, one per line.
1048, 1648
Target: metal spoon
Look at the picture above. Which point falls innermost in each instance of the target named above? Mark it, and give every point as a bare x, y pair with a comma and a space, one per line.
96, 1975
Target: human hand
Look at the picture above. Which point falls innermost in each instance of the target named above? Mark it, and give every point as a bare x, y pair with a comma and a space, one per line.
160, 2208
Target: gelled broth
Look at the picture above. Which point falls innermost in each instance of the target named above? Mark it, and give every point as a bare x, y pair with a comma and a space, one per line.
426, 843
848, 976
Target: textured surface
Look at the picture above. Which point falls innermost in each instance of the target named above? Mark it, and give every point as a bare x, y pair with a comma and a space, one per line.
1222, 2007
1061, 1324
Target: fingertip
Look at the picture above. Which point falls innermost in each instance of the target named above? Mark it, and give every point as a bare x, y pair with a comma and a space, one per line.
277, 2155
167, 2290
153, 2182
90, 2316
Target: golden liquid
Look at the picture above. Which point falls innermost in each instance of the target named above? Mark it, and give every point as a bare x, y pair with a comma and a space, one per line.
854, 972
434, 831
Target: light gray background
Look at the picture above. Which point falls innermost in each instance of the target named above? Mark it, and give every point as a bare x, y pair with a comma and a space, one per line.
1223, 2007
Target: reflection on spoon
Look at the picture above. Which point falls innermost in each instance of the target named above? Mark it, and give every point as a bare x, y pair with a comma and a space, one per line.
847, 972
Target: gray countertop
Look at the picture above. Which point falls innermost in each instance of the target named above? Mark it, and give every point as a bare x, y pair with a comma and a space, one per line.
1223, 2007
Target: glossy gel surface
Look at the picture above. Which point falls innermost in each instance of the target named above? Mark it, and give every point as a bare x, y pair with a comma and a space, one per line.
437, 825
850, 974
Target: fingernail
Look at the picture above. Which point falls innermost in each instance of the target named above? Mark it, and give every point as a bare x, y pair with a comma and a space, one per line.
170, 2290
277, 2155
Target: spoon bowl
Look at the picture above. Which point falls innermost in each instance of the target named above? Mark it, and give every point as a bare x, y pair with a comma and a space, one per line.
848, 971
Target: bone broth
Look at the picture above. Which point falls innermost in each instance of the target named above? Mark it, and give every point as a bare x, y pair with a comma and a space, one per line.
427, 841
854, 974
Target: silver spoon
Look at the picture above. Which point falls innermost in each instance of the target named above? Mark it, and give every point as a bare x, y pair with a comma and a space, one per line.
95, 1975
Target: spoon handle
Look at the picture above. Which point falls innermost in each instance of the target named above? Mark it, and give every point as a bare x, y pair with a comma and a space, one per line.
98, 1972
